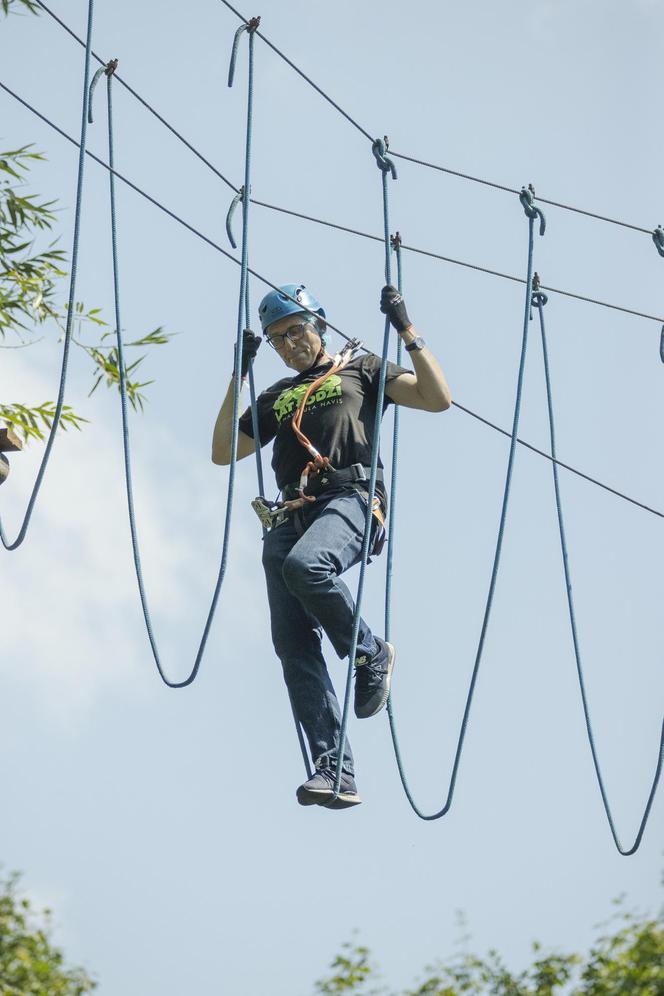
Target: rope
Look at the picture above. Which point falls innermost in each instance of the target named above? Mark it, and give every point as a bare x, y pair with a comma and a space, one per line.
386, 166
214, 245
396, 245
71, 307
243, 304
539, 300
533, 213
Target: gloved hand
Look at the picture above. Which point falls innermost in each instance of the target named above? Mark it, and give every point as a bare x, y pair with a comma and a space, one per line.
250, 344
393, 305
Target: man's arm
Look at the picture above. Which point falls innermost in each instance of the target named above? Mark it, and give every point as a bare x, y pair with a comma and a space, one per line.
223, 428
426, 388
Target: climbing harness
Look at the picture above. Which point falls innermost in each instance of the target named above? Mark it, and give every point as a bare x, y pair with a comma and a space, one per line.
318, 462
71, 306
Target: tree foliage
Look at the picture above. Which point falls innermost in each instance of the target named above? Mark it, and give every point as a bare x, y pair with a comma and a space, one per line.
29, 281
627, 959
30, 964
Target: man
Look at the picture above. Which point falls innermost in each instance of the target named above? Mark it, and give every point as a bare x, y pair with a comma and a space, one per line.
322, 421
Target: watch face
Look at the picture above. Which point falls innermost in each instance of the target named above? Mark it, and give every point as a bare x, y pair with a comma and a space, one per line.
417, 343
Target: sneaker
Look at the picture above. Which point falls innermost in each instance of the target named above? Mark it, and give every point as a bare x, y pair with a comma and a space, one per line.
319, 790
372, 680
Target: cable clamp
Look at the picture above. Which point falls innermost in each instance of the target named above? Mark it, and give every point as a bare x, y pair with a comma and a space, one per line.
379, 148
253, 25
111, 67
395, 241
658, 239
526, 197
539, 298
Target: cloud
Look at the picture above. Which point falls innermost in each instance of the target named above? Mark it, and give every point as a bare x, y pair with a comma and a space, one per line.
71, 623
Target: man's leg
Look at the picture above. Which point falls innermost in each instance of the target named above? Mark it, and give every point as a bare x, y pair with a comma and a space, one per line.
296, 635
331, 543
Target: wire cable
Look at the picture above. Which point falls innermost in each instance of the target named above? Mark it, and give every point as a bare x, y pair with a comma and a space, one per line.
140, 99
214, 245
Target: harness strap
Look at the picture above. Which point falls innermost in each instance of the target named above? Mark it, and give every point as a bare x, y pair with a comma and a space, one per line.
318, 462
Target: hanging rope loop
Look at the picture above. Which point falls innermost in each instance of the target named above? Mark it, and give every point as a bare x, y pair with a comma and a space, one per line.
379, 148
658, 239
527, 198
238, 199
109, 69
251, 27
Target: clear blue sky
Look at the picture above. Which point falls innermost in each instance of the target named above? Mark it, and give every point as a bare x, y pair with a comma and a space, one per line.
162, 826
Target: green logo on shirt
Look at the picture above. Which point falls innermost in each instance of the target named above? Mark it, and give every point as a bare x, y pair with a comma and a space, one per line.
288, 400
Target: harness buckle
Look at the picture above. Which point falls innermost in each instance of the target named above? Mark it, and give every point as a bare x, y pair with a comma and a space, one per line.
270, 513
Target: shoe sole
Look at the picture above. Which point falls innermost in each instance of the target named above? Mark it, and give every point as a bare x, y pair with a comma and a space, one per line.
344, 800
391, 658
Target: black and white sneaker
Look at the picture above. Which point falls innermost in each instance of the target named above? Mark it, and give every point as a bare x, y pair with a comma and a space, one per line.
372, 680
319, 790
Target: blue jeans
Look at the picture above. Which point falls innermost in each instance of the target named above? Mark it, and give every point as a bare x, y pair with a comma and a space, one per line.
307, 596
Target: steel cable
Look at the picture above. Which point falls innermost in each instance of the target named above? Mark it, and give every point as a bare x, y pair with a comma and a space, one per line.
214, 245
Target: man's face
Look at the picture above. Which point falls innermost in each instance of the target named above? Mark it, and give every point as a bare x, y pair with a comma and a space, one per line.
300, 347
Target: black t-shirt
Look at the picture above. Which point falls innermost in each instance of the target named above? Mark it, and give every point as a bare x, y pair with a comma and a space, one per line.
339, 417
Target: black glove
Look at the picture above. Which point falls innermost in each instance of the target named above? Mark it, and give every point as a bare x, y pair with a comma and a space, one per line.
393, 305
250, 344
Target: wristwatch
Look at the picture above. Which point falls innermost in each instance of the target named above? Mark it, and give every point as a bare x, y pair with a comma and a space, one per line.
417, 344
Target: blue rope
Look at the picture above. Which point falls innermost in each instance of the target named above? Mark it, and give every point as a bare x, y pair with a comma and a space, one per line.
539, 300
71, 304
396, 244
533, 213
243, 303
386, 166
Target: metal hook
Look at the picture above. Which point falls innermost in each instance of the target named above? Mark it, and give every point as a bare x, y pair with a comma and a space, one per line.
250, 26
229, 217
109, 69
385, 164
526, 197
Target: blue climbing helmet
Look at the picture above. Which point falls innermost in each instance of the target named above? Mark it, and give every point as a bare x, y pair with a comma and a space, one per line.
277, 304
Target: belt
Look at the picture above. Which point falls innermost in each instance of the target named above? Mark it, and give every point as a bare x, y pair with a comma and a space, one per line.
355, 474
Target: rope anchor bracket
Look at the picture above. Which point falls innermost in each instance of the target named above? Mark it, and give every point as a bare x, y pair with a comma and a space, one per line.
9, 443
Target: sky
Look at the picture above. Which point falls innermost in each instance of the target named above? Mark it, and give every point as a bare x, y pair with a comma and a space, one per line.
161, 825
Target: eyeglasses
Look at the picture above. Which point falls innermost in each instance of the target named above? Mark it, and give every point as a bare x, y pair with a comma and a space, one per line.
293, 333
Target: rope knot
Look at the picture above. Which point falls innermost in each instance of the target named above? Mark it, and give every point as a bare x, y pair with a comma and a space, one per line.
526, 197
379, 148
658, 239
